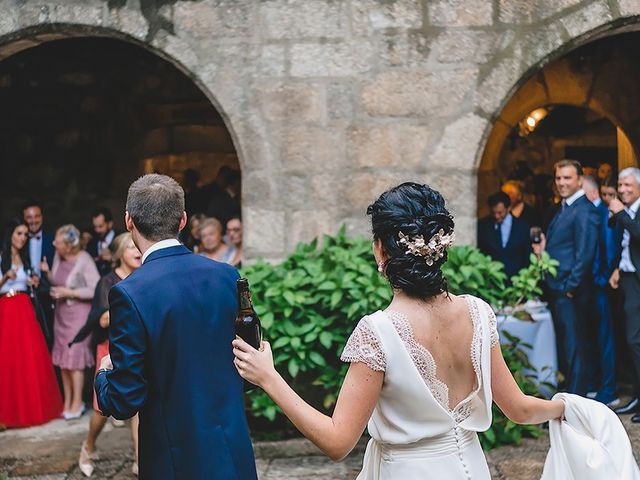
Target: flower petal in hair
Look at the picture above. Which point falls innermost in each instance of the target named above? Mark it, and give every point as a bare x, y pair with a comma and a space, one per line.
433, 250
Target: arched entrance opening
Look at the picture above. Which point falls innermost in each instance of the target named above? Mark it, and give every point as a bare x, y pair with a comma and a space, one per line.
84, 116
584, 105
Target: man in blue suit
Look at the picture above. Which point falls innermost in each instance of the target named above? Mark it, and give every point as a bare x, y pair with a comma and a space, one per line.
571, 239
172, 323
504, 237
604, 263
40, 249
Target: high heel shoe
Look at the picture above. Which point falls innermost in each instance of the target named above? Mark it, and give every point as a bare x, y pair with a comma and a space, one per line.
72, 415
85, 462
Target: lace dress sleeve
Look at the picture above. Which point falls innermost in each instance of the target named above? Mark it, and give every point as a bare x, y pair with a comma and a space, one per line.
364, 346
493, 326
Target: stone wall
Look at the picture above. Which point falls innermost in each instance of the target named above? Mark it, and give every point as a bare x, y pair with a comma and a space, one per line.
329, 102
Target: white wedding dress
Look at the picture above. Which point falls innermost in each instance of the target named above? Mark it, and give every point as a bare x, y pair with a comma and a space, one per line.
415, 435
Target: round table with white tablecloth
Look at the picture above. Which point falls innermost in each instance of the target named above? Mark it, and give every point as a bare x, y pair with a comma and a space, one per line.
540, 334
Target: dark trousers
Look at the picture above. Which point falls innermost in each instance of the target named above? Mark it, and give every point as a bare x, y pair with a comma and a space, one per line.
570, 318
605, 342
630, 286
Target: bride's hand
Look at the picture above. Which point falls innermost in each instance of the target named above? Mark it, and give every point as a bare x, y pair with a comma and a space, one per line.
255, 366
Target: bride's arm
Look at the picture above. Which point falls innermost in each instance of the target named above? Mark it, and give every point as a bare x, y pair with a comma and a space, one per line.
517, 406
336, 435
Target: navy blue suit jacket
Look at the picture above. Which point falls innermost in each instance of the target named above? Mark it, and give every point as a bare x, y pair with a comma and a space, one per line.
572, 238
609, 248
172, 323
515, 254
47, 248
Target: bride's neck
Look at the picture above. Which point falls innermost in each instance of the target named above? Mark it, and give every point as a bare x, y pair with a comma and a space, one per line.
401, 299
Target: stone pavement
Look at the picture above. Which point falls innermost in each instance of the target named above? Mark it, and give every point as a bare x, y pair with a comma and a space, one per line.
50, 453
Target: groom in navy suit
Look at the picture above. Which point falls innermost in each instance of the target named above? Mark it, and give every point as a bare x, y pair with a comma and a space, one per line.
172, 323
572, 237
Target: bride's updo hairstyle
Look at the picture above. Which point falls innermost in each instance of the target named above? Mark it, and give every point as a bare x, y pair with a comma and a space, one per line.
401, 218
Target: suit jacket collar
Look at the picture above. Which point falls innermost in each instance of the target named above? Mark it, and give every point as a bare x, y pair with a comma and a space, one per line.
166, 252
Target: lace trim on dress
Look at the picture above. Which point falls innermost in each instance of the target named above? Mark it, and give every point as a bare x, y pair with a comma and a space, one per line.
493, 325
426, 365
364, 346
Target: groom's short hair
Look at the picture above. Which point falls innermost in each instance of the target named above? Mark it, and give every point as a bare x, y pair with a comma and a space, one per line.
155, 203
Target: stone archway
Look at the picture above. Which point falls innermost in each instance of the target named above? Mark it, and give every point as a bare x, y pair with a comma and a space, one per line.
85, 114
600, 75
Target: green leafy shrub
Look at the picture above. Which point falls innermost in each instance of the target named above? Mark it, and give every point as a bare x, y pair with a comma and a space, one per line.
310, 303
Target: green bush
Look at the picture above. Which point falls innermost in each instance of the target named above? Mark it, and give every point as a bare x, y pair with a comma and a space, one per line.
310, 303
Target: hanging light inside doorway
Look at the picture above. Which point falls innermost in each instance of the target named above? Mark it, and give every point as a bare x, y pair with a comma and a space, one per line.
529, 123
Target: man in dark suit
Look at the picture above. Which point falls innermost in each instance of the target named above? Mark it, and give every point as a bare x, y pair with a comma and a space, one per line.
99, 245
503, 237
571, 239
172, 324
602, 368
40, 248
627, 275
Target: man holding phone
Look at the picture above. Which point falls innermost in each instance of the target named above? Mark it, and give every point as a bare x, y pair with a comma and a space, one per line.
571, 239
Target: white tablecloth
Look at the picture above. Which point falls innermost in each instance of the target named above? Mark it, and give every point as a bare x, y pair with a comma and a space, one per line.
541, 335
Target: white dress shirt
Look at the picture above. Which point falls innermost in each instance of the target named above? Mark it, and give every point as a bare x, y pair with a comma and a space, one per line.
626, 265
505, 229
35, 251
569, 201
169, 242
106, 241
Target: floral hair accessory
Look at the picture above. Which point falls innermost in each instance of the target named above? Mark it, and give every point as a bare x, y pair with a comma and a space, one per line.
433, 250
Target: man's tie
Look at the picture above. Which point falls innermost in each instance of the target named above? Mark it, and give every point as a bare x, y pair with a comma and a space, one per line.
563, 205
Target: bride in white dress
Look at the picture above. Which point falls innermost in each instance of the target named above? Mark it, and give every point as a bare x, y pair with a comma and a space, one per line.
423, 373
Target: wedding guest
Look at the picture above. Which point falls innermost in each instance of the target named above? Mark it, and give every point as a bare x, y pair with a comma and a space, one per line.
86, 235
73, 277
126, 258
627, 274
603, 335
222, 195
503, 237
40, 248
423, 372
234, 234
192, 232
212, 245
604, 172
520, 209
571, 239
608, 190
98, 247
29, 393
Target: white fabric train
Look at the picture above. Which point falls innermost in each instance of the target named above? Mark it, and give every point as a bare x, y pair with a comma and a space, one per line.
589, 444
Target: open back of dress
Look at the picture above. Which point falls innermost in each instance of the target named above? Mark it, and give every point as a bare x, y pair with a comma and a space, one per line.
415, 435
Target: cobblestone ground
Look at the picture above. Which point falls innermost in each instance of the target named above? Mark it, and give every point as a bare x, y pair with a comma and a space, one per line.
50, 453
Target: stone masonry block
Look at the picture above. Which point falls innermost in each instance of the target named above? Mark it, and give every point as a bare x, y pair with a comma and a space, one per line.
211, 18
459, 144
309, 224
311, 149
404, 145
629, 7
370, 15
418, 93
455, 46
460, 13
264, 230
525, 11
293, 103
286, 19
587, 18
331, 60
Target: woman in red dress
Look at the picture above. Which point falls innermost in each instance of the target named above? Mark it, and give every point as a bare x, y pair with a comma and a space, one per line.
29, 393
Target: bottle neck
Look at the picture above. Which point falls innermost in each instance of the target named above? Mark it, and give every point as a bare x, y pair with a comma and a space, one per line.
244, 300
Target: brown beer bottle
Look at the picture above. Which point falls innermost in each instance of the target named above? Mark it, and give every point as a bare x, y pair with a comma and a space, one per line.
247, 321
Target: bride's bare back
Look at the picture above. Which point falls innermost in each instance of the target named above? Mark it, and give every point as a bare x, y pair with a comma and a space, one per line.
444, 327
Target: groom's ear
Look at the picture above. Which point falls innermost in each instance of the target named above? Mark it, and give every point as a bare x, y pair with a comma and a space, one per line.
128, 222
183, 221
